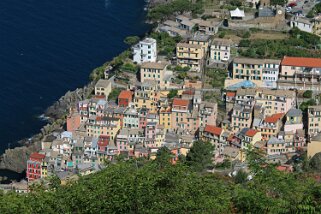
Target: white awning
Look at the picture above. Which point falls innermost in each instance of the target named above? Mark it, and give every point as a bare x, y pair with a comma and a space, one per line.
237, 13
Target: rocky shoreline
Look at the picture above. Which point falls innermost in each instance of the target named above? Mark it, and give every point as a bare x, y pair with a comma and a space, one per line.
16, 159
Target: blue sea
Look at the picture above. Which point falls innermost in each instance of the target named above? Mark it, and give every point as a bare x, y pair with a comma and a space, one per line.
48, 47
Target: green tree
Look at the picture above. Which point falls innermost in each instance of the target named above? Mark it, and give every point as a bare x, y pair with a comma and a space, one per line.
131, 40
307, 94
114, 94
200, 156
172, 93
222, 34
163, 157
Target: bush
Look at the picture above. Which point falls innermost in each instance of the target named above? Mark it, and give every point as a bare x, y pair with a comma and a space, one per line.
307, 94
129, 67
245, 43
246, 35
181, 69
131, 40
222, 34
172, 94
114, 94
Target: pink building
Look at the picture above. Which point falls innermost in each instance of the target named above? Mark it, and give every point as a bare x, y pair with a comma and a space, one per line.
73, 121
300, 73
180, 109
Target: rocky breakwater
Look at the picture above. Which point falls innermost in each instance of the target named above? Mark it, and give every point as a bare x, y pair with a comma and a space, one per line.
16, 159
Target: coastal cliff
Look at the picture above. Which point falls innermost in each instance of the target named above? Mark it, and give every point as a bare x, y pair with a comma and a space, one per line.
16, 159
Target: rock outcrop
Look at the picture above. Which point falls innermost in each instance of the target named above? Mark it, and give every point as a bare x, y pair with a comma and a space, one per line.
16, 159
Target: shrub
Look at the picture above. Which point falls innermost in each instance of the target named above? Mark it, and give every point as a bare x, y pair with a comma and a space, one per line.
307, 94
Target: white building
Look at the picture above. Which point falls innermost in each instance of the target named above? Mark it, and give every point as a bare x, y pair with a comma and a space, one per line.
220, 50
302, 23
145, 51
270, 73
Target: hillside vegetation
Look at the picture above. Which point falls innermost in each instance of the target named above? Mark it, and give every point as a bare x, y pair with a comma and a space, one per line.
142, 186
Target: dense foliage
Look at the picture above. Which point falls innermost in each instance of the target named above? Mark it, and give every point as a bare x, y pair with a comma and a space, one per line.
301, 44
141, 186
163, 11
278, 2
172, 93
166, 44
114, 94
315, 10
131, 40
216, 77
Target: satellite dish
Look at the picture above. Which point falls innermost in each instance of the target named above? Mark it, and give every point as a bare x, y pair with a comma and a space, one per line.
279, 12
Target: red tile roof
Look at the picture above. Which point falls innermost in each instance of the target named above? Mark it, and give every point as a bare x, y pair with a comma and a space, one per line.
189, 92
301, 62
180, 102
251, 132
230, 94
100, 96
125, 95
103, 140
37, 156
274, 118
213, 129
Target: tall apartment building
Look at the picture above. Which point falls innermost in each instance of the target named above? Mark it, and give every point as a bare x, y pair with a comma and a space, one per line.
34, 166
145, 51
314, 122
153, 71
191, 55
180, 111
220, 50
263, 72
300, 73
275, 101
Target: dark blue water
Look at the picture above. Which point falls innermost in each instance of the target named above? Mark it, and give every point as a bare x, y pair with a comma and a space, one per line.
48, 47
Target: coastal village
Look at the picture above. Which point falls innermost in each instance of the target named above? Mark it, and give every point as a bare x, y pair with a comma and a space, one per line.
210, 88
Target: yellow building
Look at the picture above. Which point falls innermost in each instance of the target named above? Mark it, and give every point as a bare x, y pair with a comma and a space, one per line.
314, 124
260, 70
314, 146
103, 87
147, 96
153, 71
200, 39
97, 126
165, 115
44, 168
275, 101
317, 25
191, 55
249, 138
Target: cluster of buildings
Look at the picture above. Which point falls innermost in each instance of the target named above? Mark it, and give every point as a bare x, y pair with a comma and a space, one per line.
139, 123
261, 110
262, 118
289, 73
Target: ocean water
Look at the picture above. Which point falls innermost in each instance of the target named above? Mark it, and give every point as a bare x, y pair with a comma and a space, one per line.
48, 47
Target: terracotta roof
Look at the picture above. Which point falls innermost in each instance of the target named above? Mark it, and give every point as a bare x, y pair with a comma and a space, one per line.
274, 118
125, 94
213, 129
103, 140
251, 132
100, 96
189, 92
230, 94
37, 156
180, 102
302, 62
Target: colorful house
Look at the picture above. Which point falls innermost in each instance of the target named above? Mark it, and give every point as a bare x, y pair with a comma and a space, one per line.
34, 166
124, 98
